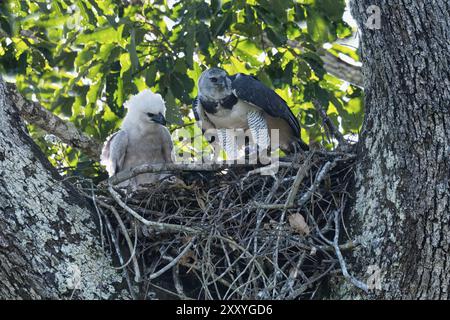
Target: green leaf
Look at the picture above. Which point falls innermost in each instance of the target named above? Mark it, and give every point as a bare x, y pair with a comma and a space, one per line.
250, 30
88, 15
203, 38
288, 73
189, 44
315, 63
221, 24
100, 11
320, 30
180, 86
173, 115
276, 36
248, 50
125, 63
333, 9
343, 30
202, 11
352, 121
216, 5
150, 75
101, 35
132, 50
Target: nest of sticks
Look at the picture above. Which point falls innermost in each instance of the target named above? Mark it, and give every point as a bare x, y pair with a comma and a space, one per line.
229, 232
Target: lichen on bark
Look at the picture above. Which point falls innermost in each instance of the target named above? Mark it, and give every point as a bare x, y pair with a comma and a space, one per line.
49, 248
401, 215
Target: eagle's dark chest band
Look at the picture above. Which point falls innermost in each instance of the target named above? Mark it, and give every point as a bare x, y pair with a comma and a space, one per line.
227, 103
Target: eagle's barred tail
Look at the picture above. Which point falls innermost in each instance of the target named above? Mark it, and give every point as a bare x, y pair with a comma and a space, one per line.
259, 129
227, 142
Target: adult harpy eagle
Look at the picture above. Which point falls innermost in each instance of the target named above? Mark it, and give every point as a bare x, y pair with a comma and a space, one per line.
242, 102
142, 138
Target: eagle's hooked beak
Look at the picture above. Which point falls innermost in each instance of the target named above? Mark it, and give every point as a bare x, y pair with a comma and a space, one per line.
222, 81
159, 118
219, 81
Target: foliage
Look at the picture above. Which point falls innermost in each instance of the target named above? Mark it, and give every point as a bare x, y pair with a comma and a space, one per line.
82, 59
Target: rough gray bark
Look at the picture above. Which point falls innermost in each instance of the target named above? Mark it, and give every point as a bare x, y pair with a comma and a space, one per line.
49, 246
401, 213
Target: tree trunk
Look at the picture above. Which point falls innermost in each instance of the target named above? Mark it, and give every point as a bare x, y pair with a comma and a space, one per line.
401, 214
48, 243
49, 246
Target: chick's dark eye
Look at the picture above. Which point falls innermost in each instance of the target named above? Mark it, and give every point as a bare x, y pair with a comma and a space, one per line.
213, 79
150, 114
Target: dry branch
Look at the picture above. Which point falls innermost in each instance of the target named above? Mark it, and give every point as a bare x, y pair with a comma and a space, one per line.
330, 125
36, 114
357, 283
332, 64
169, 167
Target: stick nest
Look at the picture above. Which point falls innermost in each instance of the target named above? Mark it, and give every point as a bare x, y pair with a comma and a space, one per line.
232, 233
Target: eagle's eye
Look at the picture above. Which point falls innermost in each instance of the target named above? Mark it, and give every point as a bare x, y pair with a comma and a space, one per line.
150, 114
213, 79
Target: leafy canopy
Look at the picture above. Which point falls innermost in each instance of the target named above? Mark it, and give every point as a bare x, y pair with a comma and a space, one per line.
82, 59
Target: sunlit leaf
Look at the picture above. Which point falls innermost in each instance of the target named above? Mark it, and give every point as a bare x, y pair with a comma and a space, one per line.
318, 28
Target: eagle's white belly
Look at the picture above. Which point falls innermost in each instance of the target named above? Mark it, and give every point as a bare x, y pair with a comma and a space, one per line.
231, 119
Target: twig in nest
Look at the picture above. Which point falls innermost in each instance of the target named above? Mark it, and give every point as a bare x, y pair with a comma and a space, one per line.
132, 248
268, 170
307, 195
173, 262
301, 174
357, 283
330, 125
177, 282
157, 226
119, 255
319, 178
171, 167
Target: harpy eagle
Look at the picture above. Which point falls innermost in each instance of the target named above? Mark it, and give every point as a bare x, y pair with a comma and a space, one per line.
242, 102
142, 138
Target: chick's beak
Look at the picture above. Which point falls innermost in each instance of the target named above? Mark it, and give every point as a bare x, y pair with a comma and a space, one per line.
159, 118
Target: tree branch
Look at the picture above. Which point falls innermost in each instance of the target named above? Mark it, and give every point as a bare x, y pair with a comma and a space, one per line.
49, 242
357, 283
36, 114
342, 69
172, 167
334, 131
158, 226
336, 66
332, 64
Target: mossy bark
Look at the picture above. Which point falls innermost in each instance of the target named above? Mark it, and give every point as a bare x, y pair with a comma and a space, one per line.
49, 246
401, 215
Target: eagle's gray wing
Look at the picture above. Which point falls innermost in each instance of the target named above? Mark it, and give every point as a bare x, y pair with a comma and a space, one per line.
195, 109
200, 116
114, 152
254, 92
202, 119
